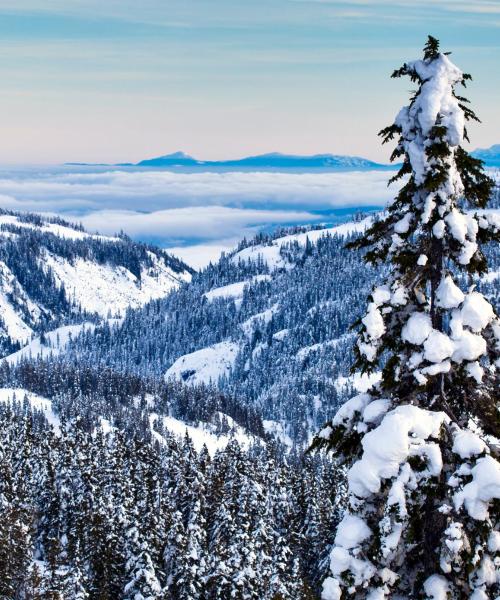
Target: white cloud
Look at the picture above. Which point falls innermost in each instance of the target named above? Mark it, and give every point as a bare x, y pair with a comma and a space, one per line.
200, 255
194, 223
82, 192
466, 6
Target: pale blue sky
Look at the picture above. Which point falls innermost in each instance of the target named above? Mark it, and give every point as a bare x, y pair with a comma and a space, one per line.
113, 80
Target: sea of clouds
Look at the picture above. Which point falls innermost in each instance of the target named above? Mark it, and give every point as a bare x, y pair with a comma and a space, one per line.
196, 213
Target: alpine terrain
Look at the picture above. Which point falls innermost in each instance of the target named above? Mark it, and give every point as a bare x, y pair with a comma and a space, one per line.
313, 416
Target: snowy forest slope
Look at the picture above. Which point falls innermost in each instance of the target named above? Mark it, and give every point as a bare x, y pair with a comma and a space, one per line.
268, 324
54, 273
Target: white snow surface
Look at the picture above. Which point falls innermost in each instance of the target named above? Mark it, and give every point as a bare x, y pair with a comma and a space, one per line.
206, 365
304, 352
351, 532
360, 382
271, 255
417, 329
436, 98
374, 322
56, 342
467, 444
468, 347
484, 487
62, 231
436, 587
233, 290
403, 430
448, 294
438, 347
263, 317
203, 434
14, 320
476, 311
281, 335
103, 289
8, 395
331, 589
278, 430
109, 290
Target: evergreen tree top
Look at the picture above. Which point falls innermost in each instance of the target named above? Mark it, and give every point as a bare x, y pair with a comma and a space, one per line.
429, 234
431, 49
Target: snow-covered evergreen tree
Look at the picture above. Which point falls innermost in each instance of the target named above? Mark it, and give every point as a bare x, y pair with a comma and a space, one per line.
424, 477
142, 583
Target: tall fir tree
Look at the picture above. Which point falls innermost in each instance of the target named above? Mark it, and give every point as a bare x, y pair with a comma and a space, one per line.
424, 477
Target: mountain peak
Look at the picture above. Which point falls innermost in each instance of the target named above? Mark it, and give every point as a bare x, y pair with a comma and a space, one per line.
178, 154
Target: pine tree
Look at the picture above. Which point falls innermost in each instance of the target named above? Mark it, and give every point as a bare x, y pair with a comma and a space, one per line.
33, 586
424, 477
142, 582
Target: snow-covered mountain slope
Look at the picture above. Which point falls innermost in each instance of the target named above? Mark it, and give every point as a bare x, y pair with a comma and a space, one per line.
49, 344
54, 273
204, 434
207, 365
111, 289
272, 253
269, 324
36, 402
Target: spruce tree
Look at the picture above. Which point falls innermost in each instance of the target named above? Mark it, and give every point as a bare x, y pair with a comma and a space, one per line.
424, 476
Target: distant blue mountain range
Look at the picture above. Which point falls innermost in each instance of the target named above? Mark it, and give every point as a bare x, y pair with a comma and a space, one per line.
278, 161
273, 160
491, 156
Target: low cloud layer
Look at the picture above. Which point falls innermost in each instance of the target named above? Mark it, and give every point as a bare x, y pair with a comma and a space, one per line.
178, 210
193, 223
82, 192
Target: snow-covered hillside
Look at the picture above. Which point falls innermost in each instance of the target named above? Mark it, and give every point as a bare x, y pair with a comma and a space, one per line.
271, 254
268, 324
215, 434
203, 434
207, 365
109, 289
51, 343
54, 273
36, 402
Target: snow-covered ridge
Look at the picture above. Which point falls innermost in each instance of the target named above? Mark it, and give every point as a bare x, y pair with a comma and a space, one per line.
233, 290
13, 316
207, 365
52, 271
39, 403
58, 229
203, 434
52, 344
108, 289
271, 254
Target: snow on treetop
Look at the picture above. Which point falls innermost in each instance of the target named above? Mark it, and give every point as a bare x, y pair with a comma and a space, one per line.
436, 98
403, 431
